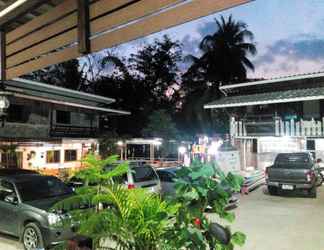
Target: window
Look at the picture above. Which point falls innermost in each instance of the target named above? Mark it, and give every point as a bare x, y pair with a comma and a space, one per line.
17, 113
63, 117
70, 155
6, 189
143, 173
53, 156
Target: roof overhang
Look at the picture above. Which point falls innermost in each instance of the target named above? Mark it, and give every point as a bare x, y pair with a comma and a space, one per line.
68, 29
296, 95
273, 81
31, 90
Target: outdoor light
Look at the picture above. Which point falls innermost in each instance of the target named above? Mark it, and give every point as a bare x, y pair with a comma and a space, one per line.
157, 143
120, 143
182, 150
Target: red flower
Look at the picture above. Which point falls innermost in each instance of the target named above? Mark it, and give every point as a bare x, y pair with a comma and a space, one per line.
197, 222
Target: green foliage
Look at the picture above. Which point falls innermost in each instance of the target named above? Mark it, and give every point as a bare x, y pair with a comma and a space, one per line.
138, 220
160, 125
199, 187
132, 219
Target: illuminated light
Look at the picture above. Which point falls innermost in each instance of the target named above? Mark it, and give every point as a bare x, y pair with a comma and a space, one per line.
214, 146
120, 143
182, 150
157, 143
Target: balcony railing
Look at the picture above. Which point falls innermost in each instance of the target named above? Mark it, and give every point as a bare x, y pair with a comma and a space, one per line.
73, 131
277, 127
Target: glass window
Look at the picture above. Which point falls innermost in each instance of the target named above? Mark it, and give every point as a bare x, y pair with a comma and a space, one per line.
143, 173
17, 113
47, 187
6, 188
53, 156
63, 117
70, 155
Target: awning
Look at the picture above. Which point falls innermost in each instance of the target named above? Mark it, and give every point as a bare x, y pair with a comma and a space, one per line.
295, 95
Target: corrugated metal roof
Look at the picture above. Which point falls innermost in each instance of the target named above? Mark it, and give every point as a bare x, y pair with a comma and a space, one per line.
295, 95
274, 80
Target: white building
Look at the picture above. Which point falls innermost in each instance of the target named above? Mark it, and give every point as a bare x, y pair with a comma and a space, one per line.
49, 127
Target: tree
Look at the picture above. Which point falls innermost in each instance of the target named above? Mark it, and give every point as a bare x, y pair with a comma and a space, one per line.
225, 53
156, 67
144, 82
66, 74
160, 125
224, 60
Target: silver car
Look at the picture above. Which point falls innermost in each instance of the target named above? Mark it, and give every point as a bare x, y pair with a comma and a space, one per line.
140, 175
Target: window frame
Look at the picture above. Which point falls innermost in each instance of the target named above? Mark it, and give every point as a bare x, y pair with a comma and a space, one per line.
67, 154
68, 119
54, 151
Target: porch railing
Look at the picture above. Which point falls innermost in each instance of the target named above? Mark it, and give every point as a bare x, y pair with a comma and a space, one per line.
312, 127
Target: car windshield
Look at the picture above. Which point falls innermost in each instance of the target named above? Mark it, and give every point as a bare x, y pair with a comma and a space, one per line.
42, 188
143, 173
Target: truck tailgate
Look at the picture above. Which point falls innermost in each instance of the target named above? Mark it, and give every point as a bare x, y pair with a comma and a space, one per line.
287, 175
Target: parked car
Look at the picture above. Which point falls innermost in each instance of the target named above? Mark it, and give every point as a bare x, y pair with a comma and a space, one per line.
292, 171
16, 171
168, 177
140, 174
25, 202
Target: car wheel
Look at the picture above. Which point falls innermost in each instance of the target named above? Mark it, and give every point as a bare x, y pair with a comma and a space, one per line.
319, 180
272, 190
312, 192
32, 237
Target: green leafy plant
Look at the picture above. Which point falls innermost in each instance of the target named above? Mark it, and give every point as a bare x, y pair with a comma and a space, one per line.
127, 219
198, 188
118, 218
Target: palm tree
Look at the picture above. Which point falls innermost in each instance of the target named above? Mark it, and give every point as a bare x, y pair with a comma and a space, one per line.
225, 53
224, 60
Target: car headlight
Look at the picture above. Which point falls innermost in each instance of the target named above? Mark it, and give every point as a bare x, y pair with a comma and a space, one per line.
54, 219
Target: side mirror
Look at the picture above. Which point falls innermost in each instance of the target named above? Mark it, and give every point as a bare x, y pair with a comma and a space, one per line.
220, 233
12, 199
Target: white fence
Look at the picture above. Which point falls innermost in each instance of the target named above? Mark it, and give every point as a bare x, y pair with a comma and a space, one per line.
283, 128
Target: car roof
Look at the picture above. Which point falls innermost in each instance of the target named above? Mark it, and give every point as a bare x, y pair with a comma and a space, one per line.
25, 177
170, 169
13, 171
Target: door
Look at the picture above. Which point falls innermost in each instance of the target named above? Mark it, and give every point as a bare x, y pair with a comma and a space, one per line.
8, 208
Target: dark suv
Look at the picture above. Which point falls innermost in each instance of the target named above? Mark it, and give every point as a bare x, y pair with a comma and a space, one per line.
25, 202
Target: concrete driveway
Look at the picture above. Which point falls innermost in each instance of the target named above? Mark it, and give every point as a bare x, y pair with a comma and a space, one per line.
288, 222
270, 222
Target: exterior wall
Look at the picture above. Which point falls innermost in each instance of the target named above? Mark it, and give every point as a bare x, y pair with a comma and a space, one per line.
79, 119
20, 130
267, 150
37, 124
34, 153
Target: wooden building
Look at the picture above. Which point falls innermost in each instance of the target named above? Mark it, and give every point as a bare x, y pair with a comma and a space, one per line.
277, 115
50, 127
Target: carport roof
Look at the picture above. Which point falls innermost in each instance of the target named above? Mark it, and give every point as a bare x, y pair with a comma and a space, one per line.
295, 95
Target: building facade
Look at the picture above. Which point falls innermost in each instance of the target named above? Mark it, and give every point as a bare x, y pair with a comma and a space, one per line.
268, 117
49, 127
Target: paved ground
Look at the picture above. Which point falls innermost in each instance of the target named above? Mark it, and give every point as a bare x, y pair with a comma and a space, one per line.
292, 222
270, 222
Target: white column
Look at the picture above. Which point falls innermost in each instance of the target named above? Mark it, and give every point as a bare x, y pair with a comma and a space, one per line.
302, 127
297, 128
292, 127
277, 127
287, 132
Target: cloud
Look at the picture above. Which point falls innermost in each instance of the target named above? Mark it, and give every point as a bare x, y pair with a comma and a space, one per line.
293, 55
